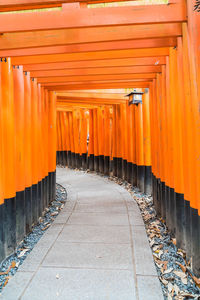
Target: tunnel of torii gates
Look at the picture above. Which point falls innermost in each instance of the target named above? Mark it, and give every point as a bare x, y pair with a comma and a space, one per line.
64, 79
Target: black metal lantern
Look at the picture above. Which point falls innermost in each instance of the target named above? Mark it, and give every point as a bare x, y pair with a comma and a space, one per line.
135, 97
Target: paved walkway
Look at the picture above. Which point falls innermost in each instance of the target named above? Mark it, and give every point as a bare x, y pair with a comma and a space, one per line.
96, 249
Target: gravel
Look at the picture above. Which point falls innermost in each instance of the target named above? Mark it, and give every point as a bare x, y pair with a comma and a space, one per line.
10, 265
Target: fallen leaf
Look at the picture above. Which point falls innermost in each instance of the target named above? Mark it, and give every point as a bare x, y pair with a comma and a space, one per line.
183, 268
174, 241
169, 297
23, 252
170, 287
5, 282
13, 264
177, 290
55, 213
180, 274
164, 281
184, 280
168, 271
43, 229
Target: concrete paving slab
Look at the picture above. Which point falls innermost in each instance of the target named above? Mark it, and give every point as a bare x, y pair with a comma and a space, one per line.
95, 234
101, 207
98, 219
96, 256
81, 284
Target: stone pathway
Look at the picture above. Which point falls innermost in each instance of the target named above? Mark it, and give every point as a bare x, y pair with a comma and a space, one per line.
96, 249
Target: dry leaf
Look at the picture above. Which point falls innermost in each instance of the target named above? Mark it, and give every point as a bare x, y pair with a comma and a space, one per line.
177, 290
22, 253
196, 280
5, 282
170, 287
184, 280
160, 253
174, 241
169, 297
183, 268
55, 213
43, 229
164, 281
13, 264
180, 274
168, 271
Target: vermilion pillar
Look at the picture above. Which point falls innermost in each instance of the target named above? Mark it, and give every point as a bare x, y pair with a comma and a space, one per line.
52, 144
28, 151
8, 152
91, 141
18, 80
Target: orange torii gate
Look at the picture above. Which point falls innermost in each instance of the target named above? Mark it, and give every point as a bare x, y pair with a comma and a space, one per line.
68, 60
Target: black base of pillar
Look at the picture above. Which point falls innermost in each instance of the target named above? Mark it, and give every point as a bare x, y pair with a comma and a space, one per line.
101, 164
43, 195
148, 181
195, 236
96, 163
78, 163
84, 161
107, 165
2, 238
188, 232
91, 162
64, 158
119, 167
69, 163
28, 209
124, 169
20, 216
34, 203
180, 221
9, 225
172, 209
115, 166
140, 177
40, 205
163, 200
129, 172
134, 175
47, 185
73, 160
54, 185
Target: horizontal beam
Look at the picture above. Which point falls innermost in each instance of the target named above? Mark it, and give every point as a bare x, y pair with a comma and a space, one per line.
96, 71
98, 82
68, 100
96, 78
144, 61
99, 46
87, 35
91, 94
85, 17
88, 56
67, 87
